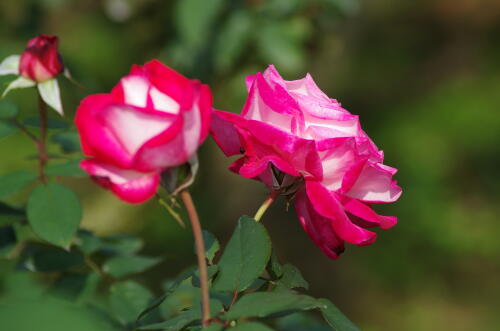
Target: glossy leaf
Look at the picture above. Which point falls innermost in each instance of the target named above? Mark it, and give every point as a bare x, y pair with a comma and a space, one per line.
245, 256
337, 320
262, 304
121, 266
54, 213
292, 278
15, 181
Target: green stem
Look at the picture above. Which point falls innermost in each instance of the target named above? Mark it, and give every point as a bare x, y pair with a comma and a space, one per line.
265, 205
200, 252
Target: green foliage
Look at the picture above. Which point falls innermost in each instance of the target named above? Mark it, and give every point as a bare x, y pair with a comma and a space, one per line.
121, 266
55, 213
68, 168
127, 300
251, 326
15, 181
245, 257
8, 110
7, 128
335, 318
69, 141
195, 18
292, 278
212, 246
263, 304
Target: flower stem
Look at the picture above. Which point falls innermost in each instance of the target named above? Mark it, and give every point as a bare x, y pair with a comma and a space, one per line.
200, 252
265, 205
42, 151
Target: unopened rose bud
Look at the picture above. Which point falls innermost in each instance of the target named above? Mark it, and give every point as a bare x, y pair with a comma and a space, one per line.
40, 60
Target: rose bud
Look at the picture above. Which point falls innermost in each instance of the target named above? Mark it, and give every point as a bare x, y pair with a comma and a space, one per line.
154, 119
305, 146
41, 61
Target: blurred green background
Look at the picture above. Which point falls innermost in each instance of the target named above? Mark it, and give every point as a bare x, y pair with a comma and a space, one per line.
423, 75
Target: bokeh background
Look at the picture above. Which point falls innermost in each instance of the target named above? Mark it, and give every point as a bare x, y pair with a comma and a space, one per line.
423, 75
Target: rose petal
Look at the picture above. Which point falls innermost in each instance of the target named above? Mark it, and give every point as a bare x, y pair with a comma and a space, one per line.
375, 184
361, 210
327, 205
318, 228
130, 186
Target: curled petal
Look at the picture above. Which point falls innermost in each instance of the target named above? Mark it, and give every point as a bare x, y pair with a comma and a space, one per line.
375, 184
130, 186
318, 228
328, 206
224, 132
363, 211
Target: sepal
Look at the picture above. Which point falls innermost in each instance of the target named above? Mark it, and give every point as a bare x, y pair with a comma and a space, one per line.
10, 65
49, 91
20, 82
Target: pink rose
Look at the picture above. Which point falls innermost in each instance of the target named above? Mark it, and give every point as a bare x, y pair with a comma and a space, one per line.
40, 60
301, 143
154, 119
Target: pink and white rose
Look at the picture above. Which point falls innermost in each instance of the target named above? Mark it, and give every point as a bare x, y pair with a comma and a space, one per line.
298, 141
154, 119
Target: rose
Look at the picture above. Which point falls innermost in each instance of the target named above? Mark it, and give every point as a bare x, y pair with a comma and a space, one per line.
154, 119
40, 60
304, 145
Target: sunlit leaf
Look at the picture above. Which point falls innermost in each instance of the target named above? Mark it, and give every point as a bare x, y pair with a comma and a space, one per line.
54, 212
245, 256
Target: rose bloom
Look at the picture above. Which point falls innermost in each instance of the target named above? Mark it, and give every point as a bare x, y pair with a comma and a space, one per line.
40, 60
304, 145
154, 119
